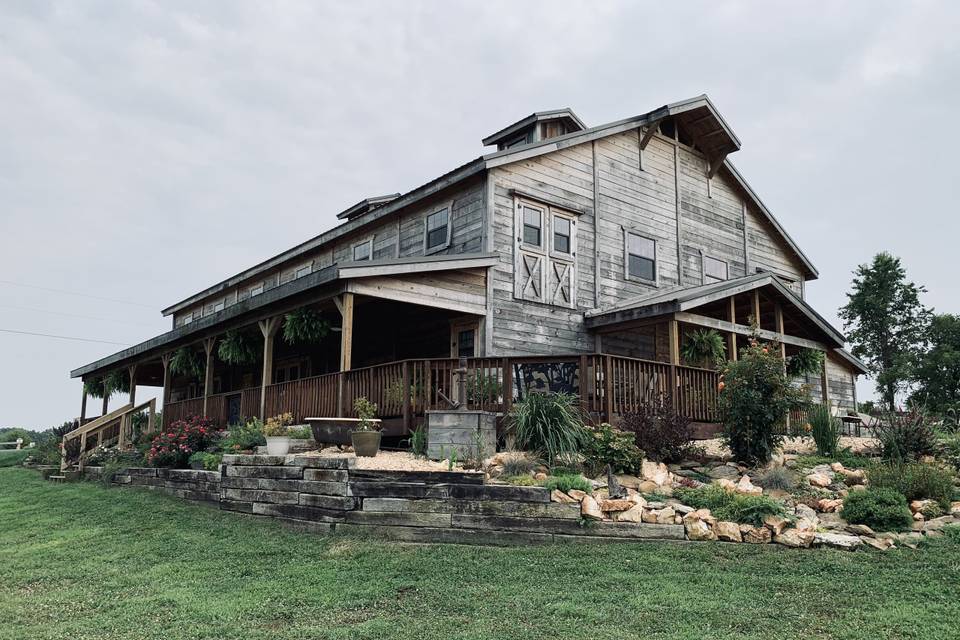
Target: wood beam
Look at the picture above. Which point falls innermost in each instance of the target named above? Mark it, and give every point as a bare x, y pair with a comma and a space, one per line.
673, 333
83, 402
268, 328
723, 325
649, 133
756, 307
824, 383
346, 335
778, 314
165, 360
715, 164
106, 397
132, 372
208, 345
731, 336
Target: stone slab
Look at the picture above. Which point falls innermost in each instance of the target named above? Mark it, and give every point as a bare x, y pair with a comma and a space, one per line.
443, 535
411, 519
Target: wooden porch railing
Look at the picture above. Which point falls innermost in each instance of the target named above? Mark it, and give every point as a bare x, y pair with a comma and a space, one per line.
115, 424
608, 386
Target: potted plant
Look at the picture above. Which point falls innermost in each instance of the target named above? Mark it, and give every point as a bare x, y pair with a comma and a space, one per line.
277, 431
365, 436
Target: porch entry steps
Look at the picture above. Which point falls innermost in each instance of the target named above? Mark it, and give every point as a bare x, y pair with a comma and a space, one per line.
608, 386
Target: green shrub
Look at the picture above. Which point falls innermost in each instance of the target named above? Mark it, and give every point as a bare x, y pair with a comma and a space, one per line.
825, 429
418, 441
730, 506
11, 435
244, 437
520, 481
948, 450
299, 433
609, 446
778, 477
755, 398
659, 431
208, 461
878, 508
568, 482
548, 424
906, 436
13, 458
914, 481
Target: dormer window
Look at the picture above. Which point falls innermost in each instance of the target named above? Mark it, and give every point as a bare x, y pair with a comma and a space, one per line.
536, 127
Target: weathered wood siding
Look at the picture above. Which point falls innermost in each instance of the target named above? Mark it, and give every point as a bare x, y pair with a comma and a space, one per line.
840, 383
464, 290
466, 218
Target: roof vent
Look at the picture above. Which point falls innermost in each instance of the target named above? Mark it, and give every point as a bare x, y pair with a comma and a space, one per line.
366, 205
536, 127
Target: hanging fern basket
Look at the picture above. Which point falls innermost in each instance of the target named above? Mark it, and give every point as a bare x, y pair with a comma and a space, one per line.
238, 348
186, 362
305, 326
805, 362
704, 348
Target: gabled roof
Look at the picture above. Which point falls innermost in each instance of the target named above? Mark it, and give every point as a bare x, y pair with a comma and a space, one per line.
366, 205
539, 116
692, 297
695, 114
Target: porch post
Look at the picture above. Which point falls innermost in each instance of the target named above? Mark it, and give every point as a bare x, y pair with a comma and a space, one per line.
132, 372
345, 307
673, 331
106, 397
208, 345
778, 315
83, 401
165, 360
268, 328
407, 413
824, 383
756, 307
732, 336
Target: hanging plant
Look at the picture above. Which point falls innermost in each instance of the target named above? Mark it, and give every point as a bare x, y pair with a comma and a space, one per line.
93, 387
704, 348
805, 362
118, 380
304, 326
237, 347
186, 362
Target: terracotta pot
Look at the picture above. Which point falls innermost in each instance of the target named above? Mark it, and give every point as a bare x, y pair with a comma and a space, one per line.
365, 443
278, 445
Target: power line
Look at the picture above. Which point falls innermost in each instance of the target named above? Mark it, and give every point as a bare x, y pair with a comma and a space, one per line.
50, 335
73, 315
74, 293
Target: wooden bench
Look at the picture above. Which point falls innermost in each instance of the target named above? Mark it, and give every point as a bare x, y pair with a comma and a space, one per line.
334, 430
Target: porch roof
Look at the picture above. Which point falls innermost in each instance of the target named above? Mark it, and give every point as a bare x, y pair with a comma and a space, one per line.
679, 301
315, 287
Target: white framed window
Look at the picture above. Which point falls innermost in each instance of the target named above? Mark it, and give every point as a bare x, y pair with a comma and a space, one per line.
302, 271
363, 250
714, 270
640, 257
437, 230
219, 305
546, 249
532, 221
187, 319
256, 289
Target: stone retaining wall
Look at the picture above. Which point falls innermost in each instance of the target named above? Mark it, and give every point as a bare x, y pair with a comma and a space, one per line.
330, 494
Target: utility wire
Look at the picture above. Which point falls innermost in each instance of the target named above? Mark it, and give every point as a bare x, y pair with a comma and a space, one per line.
74, 293
50, 335
74, 315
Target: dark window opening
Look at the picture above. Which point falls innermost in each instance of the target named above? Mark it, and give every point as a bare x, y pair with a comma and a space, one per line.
561, 235
437, 227
532, 224
641, 257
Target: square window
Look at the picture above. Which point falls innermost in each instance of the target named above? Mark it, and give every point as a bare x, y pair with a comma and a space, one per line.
532, 226
465, 343
561, 234
303, 271
218, 306
641, 257
714, 270
437, 228
361, 251
256, 290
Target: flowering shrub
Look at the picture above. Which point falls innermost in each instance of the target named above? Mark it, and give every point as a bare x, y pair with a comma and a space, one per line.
755, 396
174, 445
278, 426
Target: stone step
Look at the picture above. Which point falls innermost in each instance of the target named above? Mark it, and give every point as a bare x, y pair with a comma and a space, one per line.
57, 478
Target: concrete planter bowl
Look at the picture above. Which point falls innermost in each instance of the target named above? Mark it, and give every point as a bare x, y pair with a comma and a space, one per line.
278, 445
365, 443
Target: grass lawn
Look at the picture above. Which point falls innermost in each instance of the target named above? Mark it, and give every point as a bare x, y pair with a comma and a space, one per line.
84, 561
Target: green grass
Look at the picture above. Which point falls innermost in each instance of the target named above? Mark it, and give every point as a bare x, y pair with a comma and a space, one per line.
81, 561
13, 458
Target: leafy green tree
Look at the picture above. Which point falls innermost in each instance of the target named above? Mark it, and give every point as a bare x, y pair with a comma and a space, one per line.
937, 374
886, 323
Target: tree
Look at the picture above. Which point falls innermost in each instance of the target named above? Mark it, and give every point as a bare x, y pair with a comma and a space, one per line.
937, 374
886, 323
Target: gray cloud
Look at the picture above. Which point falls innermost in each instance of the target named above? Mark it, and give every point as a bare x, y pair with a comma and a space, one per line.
148, 149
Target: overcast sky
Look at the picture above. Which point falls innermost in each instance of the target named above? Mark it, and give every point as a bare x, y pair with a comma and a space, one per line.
150, 149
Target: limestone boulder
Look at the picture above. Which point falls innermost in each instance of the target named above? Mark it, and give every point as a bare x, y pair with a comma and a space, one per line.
755, 535
698, 530
819, 480
860, 530
628, 481
616, 505
589, 509
837, 541
776, 524
729, 485
724, 472
917, 506
576, 494
805, 512
656, 472
666, 516
633, 514
559, 496
936, 524
880, 544
650, 516
746, 487
795, 538
955, 509
728, 531
826, 505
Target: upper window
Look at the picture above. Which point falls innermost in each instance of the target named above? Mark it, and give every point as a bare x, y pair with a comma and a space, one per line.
641, 257
302, 271
532, 226
218, 306
361, 251
437, 232
561, 234
256, 290
714, 270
